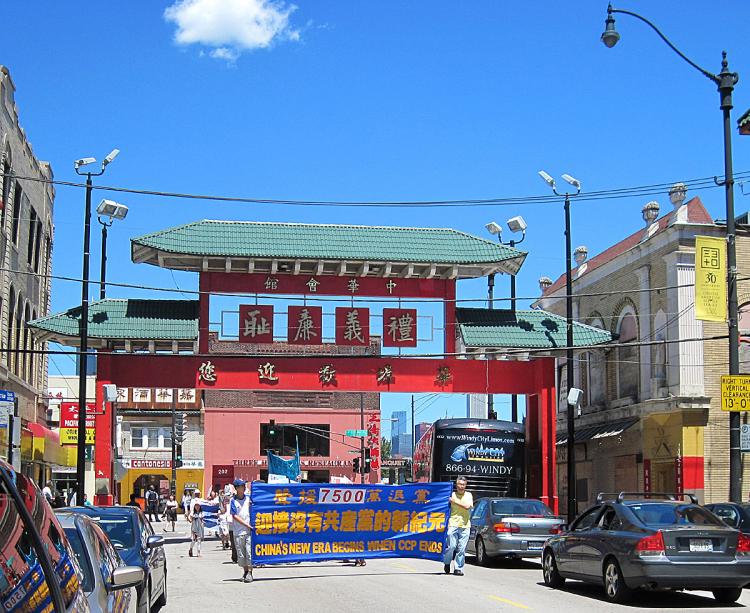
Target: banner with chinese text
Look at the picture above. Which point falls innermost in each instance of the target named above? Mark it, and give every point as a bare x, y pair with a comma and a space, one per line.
710, 278
69, 423
314, 522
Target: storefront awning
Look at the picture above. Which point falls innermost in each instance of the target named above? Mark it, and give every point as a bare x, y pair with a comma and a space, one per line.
607, 430
46, 447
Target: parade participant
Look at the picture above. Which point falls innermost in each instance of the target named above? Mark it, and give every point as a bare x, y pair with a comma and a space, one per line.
196, 529
47, 491
240, 511
152, 504
170, 512
459, 524
133, 502
223, 524
186, 497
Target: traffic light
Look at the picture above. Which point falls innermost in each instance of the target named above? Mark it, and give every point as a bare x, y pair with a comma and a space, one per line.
272, 428
356, 465
178, 456
366, 467
180, 427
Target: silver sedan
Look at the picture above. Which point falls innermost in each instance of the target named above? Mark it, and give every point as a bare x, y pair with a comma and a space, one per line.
108, 583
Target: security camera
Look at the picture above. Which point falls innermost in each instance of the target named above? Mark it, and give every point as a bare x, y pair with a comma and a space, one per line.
84, 162
574, 396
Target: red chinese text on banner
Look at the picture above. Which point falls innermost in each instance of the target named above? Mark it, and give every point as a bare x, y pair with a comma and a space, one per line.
305, 325
373, 440
256, 323
352, 326
399, 327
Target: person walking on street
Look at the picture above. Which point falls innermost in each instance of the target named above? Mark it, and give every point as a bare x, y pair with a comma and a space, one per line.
48, 492
459, 524
170, 512
240, 511
196, 529
186, 502
152, 504
133, 502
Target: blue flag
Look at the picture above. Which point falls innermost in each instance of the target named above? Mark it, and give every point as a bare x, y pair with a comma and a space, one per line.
284, 468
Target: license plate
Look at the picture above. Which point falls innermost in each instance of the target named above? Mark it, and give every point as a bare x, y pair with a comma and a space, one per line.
536, 544
701, 545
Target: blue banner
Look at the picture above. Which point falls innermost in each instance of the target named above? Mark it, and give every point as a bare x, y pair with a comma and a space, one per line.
315, 522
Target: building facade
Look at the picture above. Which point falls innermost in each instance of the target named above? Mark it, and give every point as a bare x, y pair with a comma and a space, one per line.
650, 418
26, 234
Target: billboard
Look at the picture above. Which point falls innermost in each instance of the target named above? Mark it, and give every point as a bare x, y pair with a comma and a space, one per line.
69, 423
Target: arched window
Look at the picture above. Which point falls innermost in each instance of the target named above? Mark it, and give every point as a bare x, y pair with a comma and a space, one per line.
9, 330
17, 337
659, 350
597, 371
34, 358
745, 338
5, 190
28, 362
628, 364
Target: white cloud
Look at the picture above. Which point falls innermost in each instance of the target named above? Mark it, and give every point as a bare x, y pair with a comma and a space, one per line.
230, 27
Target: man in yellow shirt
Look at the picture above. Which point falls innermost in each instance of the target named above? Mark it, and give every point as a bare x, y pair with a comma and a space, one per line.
459, 523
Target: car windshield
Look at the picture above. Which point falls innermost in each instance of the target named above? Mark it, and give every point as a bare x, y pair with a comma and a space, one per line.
520, 507
83, 559
119, 530
666, 514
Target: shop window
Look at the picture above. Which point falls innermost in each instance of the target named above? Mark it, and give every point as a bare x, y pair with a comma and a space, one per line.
628, 364
314, 439
150, 437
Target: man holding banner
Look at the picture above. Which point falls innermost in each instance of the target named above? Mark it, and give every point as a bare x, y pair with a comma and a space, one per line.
239, 508
459, 525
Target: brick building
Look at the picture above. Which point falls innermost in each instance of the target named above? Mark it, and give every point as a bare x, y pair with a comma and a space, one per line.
650, 418
26, 232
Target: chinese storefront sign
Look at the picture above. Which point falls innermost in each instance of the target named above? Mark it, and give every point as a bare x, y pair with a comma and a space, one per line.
353, 326
373, 440
399, 327
256, 323
312, 522
69, 423
305, 325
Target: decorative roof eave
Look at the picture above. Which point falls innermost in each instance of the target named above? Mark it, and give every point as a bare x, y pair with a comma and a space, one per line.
743, 123
320, 267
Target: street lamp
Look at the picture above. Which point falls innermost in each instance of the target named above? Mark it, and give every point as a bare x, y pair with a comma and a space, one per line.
725, 82
115, 211
84, 326
572, 504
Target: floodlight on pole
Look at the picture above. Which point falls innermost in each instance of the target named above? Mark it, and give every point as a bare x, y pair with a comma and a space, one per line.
83, 162
110, 157
547, 179
112, 209
573, 181
494, 228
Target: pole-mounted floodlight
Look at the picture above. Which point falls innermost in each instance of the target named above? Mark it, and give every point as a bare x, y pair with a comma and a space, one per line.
547, 179
573, 181
517, 224
112, 209
494, 228
610, 36
110, 156
83, 162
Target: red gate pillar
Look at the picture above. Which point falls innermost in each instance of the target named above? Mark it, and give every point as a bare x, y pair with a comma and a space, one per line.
541, 433
104, 445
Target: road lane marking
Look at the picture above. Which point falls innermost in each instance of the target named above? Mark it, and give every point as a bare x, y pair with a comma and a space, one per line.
510, 602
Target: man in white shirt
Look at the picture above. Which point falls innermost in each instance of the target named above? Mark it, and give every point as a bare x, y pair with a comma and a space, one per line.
239, 508
47, 492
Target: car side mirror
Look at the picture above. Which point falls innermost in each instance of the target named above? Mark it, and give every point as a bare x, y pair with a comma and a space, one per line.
155, 540
126, 576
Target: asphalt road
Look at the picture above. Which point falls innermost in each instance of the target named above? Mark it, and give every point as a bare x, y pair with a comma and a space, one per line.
212, 582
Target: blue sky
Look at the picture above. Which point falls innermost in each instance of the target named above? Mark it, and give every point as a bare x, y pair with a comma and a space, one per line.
372, 100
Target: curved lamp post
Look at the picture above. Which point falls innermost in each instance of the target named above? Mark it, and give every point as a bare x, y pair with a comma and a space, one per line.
725, 82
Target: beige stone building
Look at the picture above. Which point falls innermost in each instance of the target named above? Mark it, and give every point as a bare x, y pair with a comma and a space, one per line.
651, 417
26, 234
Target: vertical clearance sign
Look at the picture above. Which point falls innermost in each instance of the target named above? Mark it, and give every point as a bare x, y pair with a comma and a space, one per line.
710, 278
313, 522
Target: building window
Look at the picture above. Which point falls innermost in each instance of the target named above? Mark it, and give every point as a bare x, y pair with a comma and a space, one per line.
150, 437
9, 333
5, 193
33, 221
17, 201
628, 364
314, 439
595, 373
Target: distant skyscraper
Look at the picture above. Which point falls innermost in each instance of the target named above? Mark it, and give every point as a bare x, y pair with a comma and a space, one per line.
398, 427
404, 445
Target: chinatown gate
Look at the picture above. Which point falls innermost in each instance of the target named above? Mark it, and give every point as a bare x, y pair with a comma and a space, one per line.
309, 266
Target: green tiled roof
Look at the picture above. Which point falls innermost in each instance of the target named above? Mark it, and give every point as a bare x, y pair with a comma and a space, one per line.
744, 123
173, 320
524, 329
327, 242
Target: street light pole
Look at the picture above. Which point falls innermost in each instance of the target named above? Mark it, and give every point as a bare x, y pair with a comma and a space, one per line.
571, 448
103, 272
725, 82
84, 325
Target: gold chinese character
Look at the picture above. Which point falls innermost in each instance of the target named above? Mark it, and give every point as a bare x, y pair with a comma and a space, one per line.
444, 375
305, 326
418, 522
365, 520
382, 521
385, 374
264, 523
401, 329
436, 521
327, 374
314, 522
267, 372
312, 284
331, 521
349, 521
353, 286
298, 521
282, 496
255, 326
272, 283
353, 331
400, 521
390, 286
280, 522
308, 497
397, 497
420, 496
373, 495
207, 372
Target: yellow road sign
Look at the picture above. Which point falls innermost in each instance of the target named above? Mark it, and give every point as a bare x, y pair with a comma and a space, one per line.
735, 393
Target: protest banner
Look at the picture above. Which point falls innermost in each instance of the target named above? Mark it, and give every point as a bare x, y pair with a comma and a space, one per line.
314, 522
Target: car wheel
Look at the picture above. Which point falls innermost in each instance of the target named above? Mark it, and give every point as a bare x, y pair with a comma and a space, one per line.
614, 585
144, 602
163, 597
552, 577
727, 595
482, 559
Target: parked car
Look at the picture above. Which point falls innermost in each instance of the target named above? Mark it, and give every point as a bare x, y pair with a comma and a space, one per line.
109, 584
626, 543
510, 528
733, 514
39, 571
133, 537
